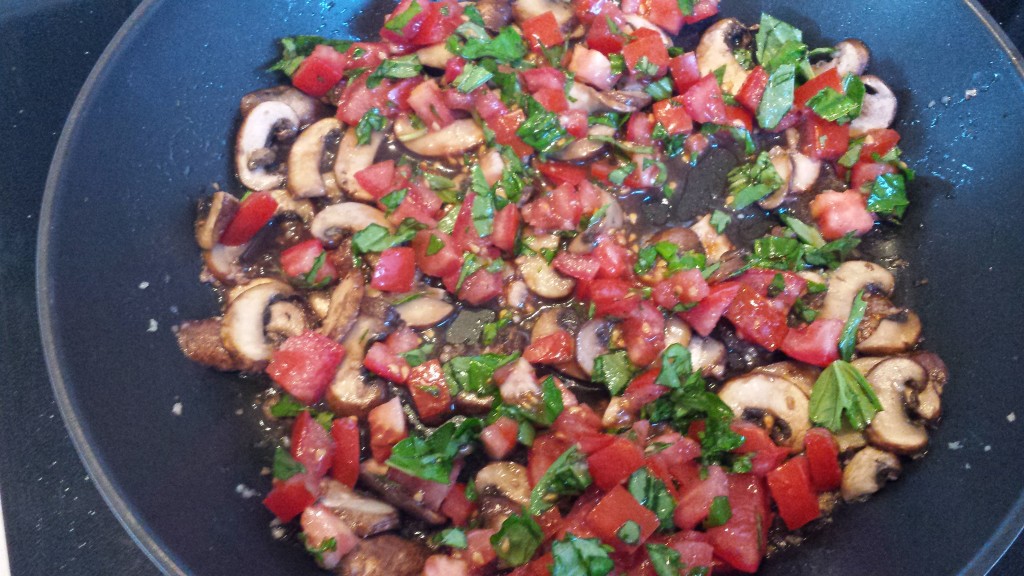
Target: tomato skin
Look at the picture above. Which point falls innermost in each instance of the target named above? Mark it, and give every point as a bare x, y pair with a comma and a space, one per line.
578, 266
559, 210
345, 468
639, 127
760, 281
479, 552
430, 391
601, 38
506, 228
383, 362
445, 261
695, 502
704, 101
756, 319
312, 446
253, 214
613, 298
425, 99
545, 450
685, 72
289, 498
705, 315
766, 454
298, 261
500, 437
827, 79
616, 260
542, 31
666, 15
741, 542
878, 142
320, 71
752, 91
562, 172
672, 115
685, 286
553, 99
839, 213
359, 99
505, 127
395, 270
456, 506
644, 334
702, 10
616, 508
377, 179
867, 172
790, 486
481, 286
305, 365
822, 139
817, 343
387, 427
442, 18
651, 47
823, 459
580, 425
613, 464
551, 349
407, 32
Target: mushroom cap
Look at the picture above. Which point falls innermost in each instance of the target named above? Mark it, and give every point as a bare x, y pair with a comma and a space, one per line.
305, 179
891, 429
508, 479
353, 157
352, 217
215, 214
343, 309
349, 394
542, 278
222, 262
715, 245
897, 333
591, 342
307, 108
366, 516
774, 395
851, 56
850, 278
878, 110
243, 331
716, 50
867, 471
523, 10
430, 309
459, 137
256, 133
707, 355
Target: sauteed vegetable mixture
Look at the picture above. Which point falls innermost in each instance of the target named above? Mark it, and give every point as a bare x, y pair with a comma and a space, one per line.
519, 315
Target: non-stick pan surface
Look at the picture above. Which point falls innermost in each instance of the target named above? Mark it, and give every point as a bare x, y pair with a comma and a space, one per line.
151, 133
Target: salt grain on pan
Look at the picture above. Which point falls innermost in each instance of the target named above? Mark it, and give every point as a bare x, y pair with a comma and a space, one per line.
1011, 417
967, 466
970, 93
988, 448
946, 100
277, 532
153, 325
245, 492
176, 409
955, 445
143, 285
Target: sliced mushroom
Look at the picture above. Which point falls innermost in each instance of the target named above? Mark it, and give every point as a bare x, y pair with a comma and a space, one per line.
849, 440
517, 293
715, 245
215, 213
896, 333
353, 157
803, 375
507, 479
331, 222
520, 386
255, 160
620, 413
542, 278
243, 331
588, 147
306, 108
366, 516
626, 101
523, 10
374, 477
927, 403
200, 341
849, 279
384, 555
781, 403
708, 356
805, 172
349, 394
613, 219
716, 50
346, 298
435, 56
222, 263
298, 206
427, 310
677, 332
496, 14
457, 138
892, 428
850, 57
305, 160
286, 318
878, 110
783, 165
867, 471
592, 341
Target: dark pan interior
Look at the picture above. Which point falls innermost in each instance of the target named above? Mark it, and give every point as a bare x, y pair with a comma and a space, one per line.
150, 135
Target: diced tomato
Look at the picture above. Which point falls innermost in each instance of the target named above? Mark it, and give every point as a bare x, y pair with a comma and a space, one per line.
429, 106
878, 142
642, 388
436, 253
650, 47
790, 485
554, 348
865, 173
588, 10
387, 427
684, 286
481, 286
535, 79
702, 10
311, 445
613, 464
685, 72
603, 37
298, 261
442, 18
305, 364
403, 340
441, 565
420, 204
817, 343
506, 228
695, 502
456, 506
752, 91
253, 214
761, 280
766, 454
505, 126
395, 270
839, 213
827, 79
545, 450
575, 122
378, 179
320, 71
553, 99
823, 459
345, 469
738, 117
704, 102
414, 16
613, 298
433, 493
822, 139
383, 362
639, 127
580, 425
644, 334
562, 172
560, 210
359, 100
579, 266
289, 498
666, 15
756, 319
705, 315
672, 115
500, 437
696, 144
320, 525
615, 259
692, 553
429, 390
452, 68
742, 541
479, 552
591, 67
490, 106
616, 508
791, 119
542, 31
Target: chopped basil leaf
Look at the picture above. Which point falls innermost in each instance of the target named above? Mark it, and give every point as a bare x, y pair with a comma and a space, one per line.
777, 253
720, 220
452, 537
645, 67
889, 196
434, 245
400, 67
660, 89
398, 22
807, 234
778, 42
617, 61
686, 7
432, 458
833, 253
447, 222
471, 78
778, 96
841, 392
581, 557
517, 540
618, 176
474, 374
751, 182
665, 560
745, 58
295, 49
629, 533
376, 238
805, 314
652, 494
627, 147
285, 466
614, 370
852, 154
326, 545
507, 47
848, 339
551, 405
393, 200
286, 407
719, 513
838, 107
542, 130
470, 266
490, 330
472, 13
567, 476
371, 122
418, 356
483, 203
776, 286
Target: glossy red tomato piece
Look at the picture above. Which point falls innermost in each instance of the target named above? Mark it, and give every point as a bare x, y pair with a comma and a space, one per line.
305, 364
702, 10
613, 464
505, 126
816, 343
436, 253
298, 261
359, 99
650, 47
581, 426
752, 91
430, 392
823, 459
428, 104
616, 508
289, 498
761, 280
696, 499
378, 179
253, 214
312, 446
506, 228
685, 72
742, 541
704, 102
766, 454
864, 174
613, 298
395, 270
480, 287
756, 319
383, 362
878, 143
345, 468
639, 127
535, 79
578, 266
672, 115
666, 15
442, 18
554, 348
542, 31
822, 139
644, 334
682, 287
545, 450
479, 551
320, 71
615, 259
387, 428
562, 172
456, 506
827, 79
738, 117
705, 316
604, 37
839, 213
790, 486
500, 437
413, 16
421, 204
559, 210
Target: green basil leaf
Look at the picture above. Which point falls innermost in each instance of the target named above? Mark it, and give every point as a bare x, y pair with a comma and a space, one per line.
842, 393
720, 221
452, 537
581, 557
471, 78
295, 49
614, 370
398, 22
285, 466
567, 476
889, 196
778, 96
517, 540
372, 121
848, 338
432, 458
751, 182
719, 513
652, 494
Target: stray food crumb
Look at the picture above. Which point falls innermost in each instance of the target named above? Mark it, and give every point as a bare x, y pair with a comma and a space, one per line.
967, 466
153, 325
239, 412
970, 93
1011, 417
955, 445
946, 100
176, 409
988, 448
277, 532
143, 285
245, 492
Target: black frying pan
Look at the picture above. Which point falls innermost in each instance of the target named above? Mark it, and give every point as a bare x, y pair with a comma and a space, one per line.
150, 134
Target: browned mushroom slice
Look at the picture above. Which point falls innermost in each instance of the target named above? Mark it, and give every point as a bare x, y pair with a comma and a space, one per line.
542, 278
425, 308
892, 428
435, 56
625, 101
243, 330
520, 387
585, 148
716, 50
350, 394
215, 213
592, 341
715, 245
306, 158
895, 333
286, 318
708, 356
457, 138
366, 516
849, 279
384, 555
346, 298
504, 489
307, 108
288, 204
397, 495
331, 223
353, 157
222, 263
200, 341
781, 404
803, 375
927, 403
805, 172
851, 56
878, 109
867, 471
613, 218
496, 14
256, 158
523, 10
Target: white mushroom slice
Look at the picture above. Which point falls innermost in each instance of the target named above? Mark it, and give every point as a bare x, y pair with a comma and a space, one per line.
759, 394
715, 245
867, 471
708, 356
613, 218
716, 50
620, 413
583, 97
434, 56
850, 57
803, 375
542, 279
677, 332
222, 262
783, 165
243, 330
523, 10
306, 156
364, 515
878, 109
306, 107
319, 302
285, 203
520, 385
927, 403
591, 342
349, 394
256, 134
353, 157
586, 147
507, 479
346, 298
425, 311
866, 364
285, 318
892, 428
215, 213
517, 293
894, 334
638, 22
346, 217
849, 440
849, 279
456, 138
805, 172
